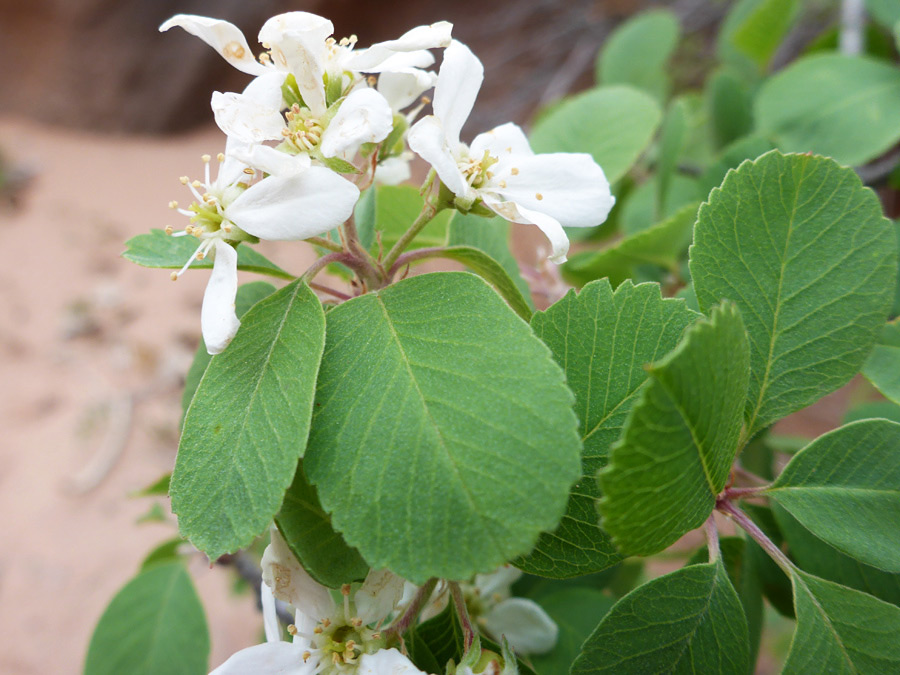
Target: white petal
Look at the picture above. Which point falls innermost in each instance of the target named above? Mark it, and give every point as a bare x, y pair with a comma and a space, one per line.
270, 614
364, 117
296, 206
426, 138
559, 242
266, 90
524, 623
571, 188
393, 170
270, 160
379, 595
458, 82
269, 658
422, 37
387, 662
400, 61
498, 582
218, 321
232, 169
503, 141
297, 42
291, 583
224, 37
246, 120
402, 88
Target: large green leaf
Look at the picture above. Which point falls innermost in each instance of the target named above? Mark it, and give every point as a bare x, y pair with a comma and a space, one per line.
490, 270
490, 235
816, 557
803, 250
443, 441
882, 368
638, 51
158, 249
841, 630
846, 107
613, 124
308, 532
689, 621
154, 626
845, 488
661, 245
247, 296
680, 439
603, 340
247, 424
576, 612
759, 35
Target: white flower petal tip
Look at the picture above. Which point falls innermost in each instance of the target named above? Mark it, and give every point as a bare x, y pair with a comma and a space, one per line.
268, 658
218, 320
244, 119
427, 139
364, 117
223, 36
459, 81
387, 662
525, 625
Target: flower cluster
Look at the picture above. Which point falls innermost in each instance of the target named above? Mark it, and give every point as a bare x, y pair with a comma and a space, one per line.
317, 104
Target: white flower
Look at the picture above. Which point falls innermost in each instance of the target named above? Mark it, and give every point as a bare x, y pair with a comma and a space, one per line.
551, 191
329, 638
295, 201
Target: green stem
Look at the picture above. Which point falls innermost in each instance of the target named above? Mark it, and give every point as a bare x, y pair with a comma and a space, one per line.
429, 211
322, 242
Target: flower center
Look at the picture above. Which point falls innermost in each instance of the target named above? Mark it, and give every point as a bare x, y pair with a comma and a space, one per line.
303, 131
478, 171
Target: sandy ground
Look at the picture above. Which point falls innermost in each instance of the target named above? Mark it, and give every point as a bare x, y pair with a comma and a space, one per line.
92, 351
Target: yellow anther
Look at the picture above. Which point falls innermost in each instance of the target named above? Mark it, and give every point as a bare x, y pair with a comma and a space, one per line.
344, 42
350, 646
174, 276
335, 658
305, 656
197, 184
169, 229
356, 622
426, 100
249, 171
326, 622
184, 180
201, 255
538, 196
292, 629
503, 183
227, 227
372, 80
205, 158
353, 39
514, 171
264, 58
220, 157
317, 630
329, 41
376, 636
173, 204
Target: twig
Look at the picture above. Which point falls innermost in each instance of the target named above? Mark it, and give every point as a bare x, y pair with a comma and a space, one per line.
460, 603
757, 534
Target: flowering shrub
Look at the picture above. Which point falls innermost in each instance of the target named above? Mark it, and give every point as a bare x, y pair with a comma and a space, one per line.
461, 484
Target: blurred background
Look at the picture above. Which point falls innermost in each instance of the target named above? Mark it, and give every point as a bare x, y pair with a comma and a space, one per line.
99, 116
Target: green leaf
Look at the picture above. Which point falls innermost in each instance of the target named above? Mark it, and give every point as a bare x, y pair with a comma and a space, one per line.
164, 553
803, 250
841, 630
158, 249
689, 621
576, 612
396, 207
613, 124
680, 438
308, 532
491, 271
846, 107
845, 488
882, 368
886, 12
248, 423
443, 441
154, 626
742, 574
872, 409
730, 107
637, 53
160, 487
662, 245
816, 557
247, 296
640, 212
491, 235
761, 32
603, 341
671, 141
